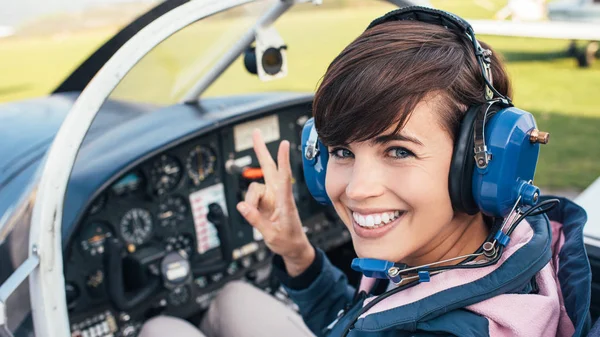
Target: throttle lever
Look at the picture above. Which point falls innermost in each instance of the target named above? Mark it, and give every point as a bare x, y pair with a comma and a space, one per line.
218, 218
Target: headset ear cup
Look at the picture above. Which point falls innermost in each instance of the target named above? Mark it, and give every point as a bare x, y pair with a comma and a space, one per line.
462, 165
315, 169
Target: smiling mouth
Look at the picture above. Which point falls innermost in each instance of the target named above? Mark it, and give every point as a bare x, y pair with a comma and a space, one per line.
375, 220
375, 226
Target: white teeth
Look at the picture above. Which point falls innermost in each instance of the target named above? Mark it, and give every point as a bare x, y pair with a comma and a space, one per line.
375, 220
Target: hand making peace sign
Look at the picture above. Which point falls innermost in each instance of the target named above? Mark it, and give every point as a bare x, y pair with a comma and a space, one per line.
271, 208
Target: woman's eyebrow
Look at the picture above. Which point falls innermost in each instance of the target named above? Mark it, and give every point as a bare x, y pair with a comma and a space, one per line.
388, 138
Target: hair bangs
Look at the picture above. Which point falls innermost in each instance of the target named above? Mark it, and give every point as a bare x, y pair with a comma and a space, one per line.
361, 103
378, 80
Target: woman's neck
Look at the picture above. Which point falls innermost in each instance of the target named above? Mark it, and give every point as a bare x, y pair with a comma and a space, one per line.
463, 235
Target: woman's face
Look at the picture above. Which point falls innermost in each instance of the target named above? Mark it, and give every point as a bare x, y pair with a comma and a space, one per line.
392, 191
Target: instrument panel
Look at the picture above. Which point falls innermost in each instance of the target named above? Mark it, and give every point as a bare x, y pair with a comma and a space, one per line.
163, 236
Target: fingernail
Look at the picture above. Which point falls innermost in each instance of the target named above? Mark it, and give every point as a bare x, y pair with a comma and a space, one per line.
242, 208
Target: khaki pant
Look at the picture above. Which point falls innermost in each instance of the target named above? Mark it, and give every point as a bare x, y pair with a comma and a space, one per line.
239, 310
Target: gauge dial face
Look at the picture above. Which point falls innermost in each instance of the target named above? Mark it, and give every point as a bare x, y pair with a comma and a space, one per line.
128, 184
93, 237
181, 242
172, 211
200, 163
136, 226
165, 174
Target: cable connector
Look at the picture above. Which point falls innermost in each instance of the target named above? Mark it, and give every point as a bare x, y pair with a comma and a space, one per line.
502, 238
424, 276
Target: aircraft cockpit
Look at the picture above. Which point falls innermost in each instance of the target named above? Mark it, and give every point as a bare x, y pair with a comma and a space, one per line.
119, 204
149, 224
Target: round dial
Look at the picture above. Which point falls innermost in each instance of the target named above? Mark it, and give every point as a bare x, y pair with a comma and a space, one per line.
183, 242
172, 211
93, 237
200, 163
165, 174
136, 226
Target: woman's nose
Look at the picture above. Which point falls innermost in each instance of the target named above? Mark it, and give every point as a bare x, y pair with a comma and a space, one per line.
366, 181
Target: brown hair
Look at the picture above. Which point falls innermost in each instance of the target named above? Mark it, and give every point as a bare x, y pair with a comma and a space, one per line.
379, 78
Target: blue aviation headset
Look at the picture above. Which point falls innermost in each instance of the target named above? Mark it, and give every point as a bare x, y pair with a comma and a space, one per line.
495, 153
492, 166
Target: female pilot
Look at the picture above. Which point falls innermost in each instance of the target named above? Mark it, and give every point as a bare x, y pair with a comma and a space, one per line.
389, 111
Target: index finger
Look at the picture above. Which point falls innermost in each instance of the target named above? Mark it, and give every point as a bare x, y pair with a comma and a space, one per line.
264, 157
285, 174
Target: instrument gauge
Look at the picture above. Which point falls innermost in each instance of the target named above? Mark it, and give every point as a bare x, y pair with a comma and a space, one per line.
93, 237
200, 163
165, 174
183, 242
128, 184
172, 211
136, 226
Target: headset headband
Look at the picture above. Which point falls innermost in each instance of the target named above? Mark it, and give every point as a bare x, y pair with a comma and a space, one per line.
455, 23
459, 26
424, 14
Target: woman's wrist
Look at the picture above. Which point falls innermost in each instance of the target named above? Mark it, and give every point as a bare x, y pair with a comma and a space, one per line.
296, 264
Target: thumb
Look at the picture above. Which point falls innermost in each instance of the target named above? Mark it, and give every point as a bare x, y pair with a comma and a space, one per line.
251, 214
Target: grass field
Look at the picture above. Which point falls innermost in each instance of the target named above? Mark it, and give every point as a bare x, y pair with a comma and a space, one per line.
562, 96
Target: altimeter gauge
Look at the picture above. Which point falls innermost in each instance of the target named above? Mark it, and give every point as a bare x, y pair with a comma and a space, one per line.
200, 163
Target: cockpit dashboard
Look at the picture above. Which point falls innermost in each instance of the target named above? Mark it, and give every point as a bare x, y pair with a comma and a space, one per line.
151, 226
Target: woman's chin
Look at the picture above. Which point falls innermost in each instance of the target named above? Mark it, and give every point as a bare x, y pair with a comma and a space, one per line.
378, 243
379, 251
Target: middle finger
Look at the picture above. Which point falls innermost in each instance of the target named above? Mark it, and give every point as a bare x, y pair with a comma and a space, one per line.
264, 157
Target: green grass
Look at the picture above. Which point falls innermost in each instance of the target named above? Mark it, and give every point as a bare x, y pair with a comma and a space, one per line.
572, 158
34, 66
562, 96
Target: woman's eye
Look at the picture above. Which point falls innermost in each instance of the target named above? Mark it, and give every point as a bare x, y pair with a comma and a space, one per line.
341, 153
399, 152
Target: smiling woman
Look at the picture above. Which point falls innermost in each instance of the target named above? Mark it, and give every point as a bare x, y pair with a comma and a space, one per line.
416, 144
402, 177
397, 101
418, 147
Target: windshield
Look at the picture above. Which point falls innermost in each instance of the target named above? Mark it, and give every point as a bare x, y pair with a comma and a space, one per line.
314, 36
171, 68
